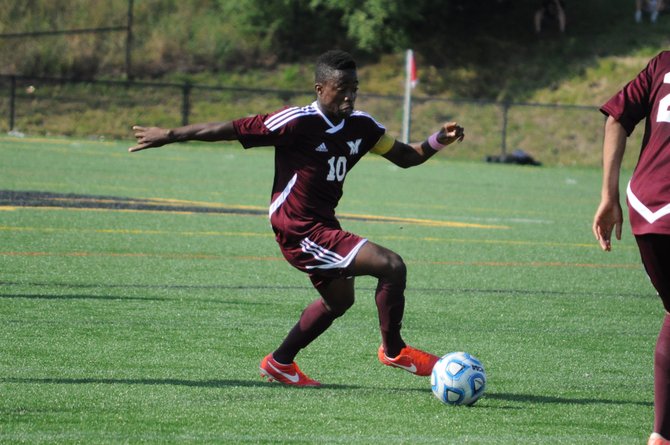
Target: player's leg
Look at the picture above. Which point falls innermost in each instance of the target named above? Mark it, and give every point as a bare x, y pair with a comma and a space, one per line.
337, 295
655, 254
391, 272
561, 18
325, 255
654, 15
638, 11
537, 20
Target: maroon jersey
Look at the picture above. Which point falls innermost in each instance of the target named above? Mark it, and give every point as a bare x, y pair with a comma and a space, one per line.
648, 97
312, 159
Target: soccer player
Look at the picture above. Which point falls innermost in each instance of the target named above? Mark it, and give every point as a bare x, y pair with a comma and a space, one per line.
550, 9
651, 6
647, 96
315, 147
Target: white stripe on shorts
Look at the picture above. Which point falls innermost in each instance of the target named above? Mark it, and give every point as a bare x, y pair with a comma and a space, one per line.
330, 260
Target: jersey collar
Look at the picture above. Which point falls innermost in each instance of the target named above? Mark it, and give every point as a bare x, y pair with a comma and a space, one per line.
333, 128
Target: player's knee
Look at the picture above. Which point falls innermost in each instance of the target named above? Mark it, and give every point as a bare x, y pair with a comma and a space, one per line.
342, 305
395, 268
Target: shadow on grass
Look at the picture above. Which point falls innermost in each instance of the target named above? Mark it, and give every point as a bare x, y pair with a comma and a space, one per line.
77, 297
156, 286
234, 383
308, 288
541, 399
216, 383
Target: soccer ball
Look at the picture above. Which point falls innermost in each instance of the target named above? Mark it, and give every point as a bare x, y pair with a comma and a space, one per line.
458, 378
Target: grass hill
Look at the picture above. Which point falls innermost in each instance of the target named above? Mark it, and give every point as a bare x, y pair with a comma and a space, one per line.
484, 51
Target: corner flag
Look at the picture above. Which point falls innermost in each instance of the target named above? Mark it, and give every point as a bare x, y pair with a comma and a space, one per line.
412, 68
411, 80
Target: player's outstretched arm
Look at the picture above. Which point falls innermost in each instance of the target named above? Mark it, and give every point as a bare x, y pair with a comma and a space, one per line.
409, 155
609, 216
150, 137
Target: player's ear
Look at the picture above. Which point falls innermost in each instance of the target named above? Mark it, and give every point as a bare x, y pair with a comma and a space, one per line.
318, 88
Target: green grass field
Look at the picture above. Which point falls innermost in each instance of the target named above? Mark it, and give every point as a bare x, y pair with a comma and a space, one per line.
139, 292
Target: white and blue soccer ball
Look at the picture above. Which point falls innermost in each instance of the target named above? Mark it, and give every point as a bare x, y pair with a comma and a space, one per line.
458, 378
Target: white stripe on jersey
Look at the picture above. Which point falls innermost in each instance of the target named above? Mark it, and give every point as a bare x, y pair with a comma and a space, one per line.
283, 195
280, 119
330, 260
643, 210
283, 117
364, 114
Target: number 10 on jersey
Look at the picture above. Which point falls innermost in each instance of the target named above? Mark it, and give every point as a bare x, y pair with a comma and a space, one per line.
338, 168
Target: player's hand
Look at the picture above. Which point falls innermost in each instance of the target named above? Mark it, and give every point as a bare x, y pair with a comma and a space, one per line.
608, 217
149, 137
450, 132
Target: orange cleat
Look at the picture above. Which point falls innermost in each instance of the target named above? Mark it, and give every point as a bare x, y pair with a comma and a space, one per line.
411, 360
286, 374
657, 439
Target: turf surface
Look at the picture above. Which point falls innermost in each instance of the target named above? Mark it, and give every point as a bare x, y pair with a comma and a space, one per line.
139, 292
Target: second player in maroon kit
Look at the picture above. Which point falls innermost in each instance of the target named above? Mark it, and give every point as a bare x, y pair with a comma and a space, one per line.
646, 97
315, 148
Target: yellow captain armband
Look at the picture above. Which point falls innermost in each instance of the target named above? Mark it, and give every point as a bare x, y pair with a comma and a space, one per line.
383, 145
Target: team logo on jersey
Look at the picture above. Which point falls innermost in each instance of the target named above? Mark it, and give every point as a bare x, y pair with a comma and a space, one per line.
322, 148
353, 146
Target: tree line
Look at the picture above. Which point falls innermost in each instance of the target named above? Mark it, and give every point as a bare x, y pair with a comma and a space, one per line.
212, 35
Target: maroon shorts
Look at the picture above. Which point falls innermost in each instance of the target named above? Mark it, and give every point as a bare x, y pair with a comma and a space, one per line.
655, 254
325, 253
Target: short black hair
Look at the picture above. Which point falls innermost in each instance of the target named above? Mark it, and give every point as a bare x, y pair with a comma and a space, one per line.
330, 61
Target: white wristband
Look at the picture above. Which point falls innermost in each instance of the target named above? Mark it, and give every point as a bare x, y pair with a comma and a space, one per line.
434, 143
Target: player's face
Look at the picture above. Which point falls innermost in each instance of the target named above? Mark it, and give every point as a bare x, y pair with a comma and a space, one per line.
337, 95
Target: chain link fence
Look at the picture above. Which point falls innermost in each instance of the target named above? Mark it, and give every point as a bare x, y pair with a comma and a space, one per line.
552, 134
